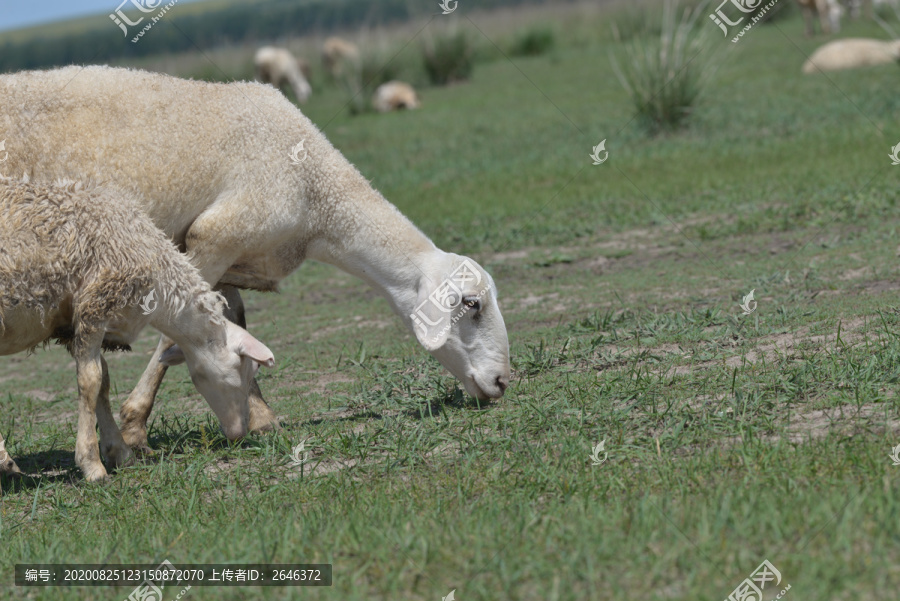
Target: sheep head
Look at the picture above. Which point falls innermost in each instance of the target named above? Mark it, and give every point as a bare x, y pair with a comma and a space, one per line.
222, 368
457, 319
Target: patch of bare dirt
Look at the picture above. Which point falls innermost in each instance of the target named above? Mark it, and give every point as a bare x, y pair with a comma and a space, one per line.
879, 286
782, 344
40, 395
767, 348
323, 381
846, 419
510, 255
357, 322
856, 274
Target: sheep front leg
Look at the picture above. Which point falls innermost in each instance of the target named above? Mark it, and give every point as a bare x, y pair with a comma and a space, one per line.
90, 383
136, 409
112, 446
262, 418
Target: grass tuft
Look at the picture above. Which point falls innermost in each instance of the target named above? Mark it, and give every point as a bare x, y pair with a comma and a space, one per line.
448, 58
665, 74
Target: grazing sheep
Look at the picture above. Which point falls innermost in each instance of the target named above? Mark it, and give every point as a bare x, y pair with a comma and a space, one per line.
278, 67
216, 171
394, 95
340, 57
78, 265
852, 53
828, 11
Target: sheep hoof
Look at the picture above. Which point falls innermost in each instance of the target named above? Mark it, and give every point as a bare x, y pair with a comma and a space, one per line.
119, 455
136, 438
262, 418
261, 427
95, 473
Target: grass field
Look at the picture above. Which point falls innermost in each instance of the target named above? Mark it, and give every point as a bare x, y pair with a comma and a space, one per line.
731, 438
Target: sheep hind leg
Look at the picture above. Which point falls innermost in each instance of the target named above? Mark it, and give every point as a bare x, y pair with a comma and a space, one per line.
262, 418
136, 409
809, 21
112, 446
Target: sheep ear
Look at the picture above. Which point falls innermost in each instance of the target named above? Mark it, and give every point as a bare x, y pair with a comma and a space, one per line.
173, 356
431, 319
256, 350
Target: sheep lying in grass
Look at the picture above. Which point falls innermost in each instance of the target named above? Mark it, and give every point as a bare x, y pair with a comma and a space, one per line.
216, 172
76, 264
852, 53
340, 57
395, 95
828, 11
278, 67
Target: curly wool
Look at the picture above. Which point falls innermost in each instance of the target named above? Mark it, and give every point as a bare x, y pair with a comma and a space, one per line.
89, 245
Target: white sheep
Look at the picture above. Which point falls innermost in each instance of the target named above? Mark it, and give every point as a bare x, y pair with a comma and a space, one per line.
828, 11
243, 181
278, 67
79, 265
852, 53
340, 57
395, 95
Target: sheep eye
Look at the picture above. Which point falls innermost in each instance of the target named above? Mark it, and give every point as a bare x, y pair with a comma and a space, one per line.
472, 303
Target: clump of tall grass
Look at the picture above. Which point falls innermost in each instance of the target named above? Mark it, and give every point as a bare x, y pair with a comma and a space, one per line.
533, 42
378, 68
633, 21
383, 62
448, 57
665, 74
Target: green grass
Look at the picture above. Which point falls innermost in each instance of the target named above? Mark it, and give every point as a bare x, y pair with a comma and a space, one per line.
731, 438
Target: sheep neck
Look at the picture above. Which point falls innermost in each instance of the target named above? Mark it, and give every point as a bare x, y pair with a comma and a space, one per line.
189, 322
384, 249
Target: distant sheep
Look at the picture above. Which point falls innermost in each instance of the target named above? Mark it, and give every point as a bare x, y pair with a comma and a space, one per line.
852, 53
250, 188
395, 95
828, 11
279, 67
78, 265
340, 57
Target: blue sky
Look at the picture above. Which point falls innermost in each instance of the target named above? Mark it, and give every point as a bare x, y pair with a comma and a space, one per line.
22, 13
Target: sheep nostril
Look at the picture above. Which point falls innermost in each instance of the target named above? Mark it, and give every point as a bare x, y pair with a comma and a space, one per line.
502, 383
